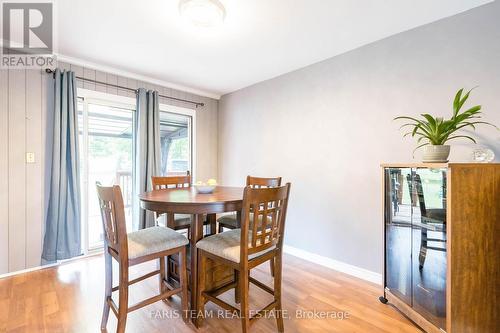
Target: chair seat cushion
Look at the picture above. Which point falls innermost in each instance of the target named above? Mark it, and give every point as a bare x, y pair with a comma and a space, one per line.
230, 221
153, 240
181, 221
227, 245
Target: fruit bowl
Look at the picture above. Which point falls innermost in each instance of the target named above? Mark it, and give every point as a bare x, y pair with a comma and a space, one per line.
206, 188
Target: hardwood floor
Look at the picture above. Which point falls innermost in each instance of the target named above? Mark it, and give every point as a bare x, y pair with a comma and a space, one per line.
69, 298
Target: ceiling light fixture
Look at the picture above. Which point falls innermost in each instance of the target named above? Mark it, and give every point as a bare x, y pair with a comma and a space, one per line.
203, 13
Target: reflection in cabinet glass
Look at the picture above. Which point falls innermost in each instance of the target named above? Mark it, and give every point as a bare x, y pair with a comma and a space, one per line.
429, 244
415, 227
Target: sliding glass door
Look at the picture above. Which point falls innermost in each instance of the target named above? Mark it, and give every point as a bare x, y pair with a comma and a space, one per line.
106, 145
106, 127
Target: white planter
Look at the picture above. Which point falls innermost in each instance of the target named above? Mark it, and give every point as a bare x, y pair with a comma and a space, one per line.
436, 153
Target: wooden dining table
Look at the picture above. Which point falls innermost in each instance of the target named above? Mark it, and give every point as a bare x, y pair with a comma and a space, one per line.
189, 201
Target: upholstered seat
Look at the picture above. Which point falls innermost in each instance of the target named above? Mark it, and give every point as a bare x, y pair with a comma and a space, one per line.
227, 245
229, 221
153, 240
181, 221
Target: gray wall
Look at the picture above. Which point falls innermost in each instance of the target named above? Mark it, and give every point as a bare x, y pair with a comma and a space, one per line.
23, 110
327, 127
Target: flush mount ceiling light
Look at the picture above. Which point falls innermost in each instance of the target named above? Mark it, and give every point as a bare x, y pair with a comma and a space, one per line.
202, 13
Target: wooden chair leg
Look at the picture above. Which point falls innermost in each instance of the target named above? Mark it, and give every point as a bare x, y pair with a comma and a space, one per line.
184, 283
237, 298
200, 301
108, 269
123, 298
244, 291
162, 275
277, 292
272, 265
165, 274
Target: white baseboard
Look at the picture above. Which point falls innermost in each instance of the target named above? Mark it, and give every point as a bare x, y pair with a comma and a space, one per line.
59, 262
27, 270
335, 264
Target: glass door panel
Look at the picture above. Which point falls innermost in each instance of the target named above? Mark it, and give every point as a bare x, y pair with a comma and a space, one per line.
176, 143
398, 209
429, 244
107, 157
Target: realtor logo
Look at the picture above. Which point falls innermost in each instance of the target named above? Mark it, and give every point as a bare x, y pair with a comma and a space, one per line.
28, 35
27, 28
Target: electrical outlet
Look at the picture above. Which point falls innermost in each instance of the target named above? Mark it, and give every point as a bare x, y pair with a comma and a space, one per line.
30, 157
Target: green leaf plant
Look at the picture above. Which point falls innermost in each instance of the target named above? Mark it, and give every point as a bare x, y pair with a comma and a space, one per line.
437, 131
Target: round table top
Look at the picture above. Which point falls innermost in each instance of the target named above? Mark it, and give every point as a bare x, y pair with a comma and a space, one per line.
184, 198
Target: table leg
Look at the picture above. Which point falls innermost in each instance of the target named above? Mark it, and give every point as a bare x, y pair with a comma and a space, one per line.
212, 221
196, 235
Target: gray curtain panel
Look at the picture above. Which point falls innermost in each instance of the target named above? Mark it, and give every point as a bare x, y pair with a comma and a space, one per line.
147, 150
62, 225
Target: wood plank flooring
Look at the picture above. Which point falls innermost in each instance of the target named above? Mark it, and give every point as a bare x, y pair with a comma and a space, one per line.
69, 298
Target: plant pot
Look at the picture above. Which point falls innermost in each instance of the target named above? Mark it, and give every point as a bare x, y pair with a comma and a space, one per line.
435, 154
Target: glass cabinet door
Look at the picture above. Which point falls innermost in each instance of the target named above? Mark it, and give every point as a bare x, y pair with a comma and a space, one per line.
398, 232
429, 244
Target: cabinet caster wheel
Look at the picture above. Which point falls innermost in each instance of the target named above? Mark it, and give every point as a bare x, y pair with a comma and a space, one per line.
383, 300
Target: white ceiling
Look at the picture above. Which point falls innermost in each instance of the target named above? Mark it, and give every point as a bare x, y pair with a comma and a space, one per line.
260, 39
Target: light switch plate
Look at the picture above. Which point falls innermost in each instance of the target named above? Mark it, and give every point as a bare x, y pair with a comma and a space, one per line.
30, 157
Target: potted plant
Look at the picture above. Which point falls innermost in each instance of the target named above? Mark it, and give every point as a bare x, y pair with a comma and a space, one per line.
434, 132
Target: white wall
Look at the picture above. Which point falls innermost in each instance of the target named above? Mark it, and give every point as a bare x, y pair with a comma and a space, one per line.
23, 110
327, 127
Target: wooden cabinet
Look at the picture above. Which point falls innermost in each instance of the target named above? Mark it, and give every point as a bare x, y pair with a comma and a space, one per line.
442, 245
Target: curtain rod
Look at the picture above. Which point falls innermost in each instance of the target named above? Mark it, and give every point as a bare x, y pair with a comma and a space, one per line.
50, 71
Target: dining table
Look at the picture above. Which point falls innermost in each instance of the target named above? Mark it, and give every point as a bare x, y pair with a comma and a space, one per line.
187, 200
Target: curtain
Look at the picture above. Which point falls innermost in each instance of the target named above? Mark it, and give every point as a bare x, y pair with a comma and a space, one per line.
147, 150
62, 225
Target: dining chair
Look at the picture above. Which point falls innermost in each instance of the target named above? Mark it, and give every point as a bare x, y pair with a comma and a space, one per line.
134, 248
232, 221
260, 239
180, 221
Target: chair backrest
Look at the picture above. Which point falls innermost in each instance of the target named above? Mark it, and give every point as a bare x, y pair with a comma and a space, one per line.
113, 218
419, 191
171, 181
266, 207
259, 182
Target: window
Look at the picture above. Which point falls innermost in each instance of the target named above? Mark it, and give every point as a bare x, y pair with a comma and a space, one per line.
106, 127
175, 141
